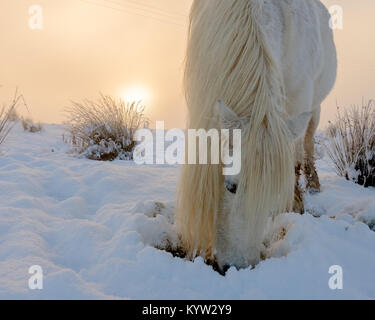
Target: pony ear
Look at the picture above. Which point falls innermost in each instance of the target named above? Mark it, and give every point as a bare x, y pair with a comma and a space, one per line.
297, 125
228, 118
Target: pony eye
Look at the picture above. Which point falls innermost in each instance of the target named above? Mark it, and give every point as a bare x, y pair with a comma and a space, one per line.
231, 187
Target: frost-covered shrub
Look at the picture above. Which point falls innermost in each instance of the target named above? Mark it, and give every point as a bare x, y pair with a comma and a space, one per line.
104, 129
350, 144
30, 126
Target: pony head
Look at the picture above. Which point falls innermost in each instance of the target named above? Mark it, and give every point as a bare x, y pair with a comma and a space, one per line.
239, 233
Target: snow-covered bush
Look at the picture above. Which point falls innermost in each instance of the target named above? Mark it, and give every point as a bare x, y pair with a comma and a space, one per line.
350, 144
104, 129
30, 126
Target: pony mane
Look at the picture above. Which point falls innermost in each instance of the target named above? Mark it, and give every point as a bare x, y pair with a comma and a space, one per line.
228, 57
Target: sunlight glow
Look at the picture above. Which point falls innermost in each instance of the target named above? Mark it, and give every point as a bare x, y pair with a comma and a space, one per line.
135, 94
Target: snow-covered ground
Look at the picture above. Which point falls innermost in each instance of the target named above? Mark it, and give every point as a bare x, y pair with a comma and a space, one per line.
92, 227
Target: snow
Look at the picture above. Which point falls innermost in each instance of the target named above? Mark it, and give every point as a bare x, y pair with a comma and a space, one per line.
93, 228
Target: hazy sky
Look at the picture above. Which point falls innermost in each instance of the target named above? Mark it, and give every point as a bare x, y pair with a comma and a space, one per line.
136, 47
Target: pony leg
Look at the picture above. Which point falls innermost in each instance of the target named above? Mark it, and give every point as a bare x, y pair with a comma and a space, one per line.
298, 205
312, 179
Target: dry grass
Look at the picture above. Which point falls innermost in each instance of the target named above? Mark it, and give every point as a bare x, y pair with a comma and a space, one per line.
104, 129
14, 116
8, 116
30, 126
351, 143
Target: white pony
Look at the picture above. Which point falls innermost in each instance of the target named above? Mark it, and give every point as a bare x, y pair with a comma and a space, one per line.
272, 63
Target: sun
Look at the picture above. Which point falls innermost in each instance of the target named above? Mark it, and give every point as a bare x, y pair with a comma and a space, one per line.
136, 94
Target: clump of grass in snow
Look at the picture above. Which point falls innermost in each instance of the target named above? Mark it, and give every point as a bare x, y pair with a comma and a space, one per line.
30, 126
104, 129
9, 117
351, 144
